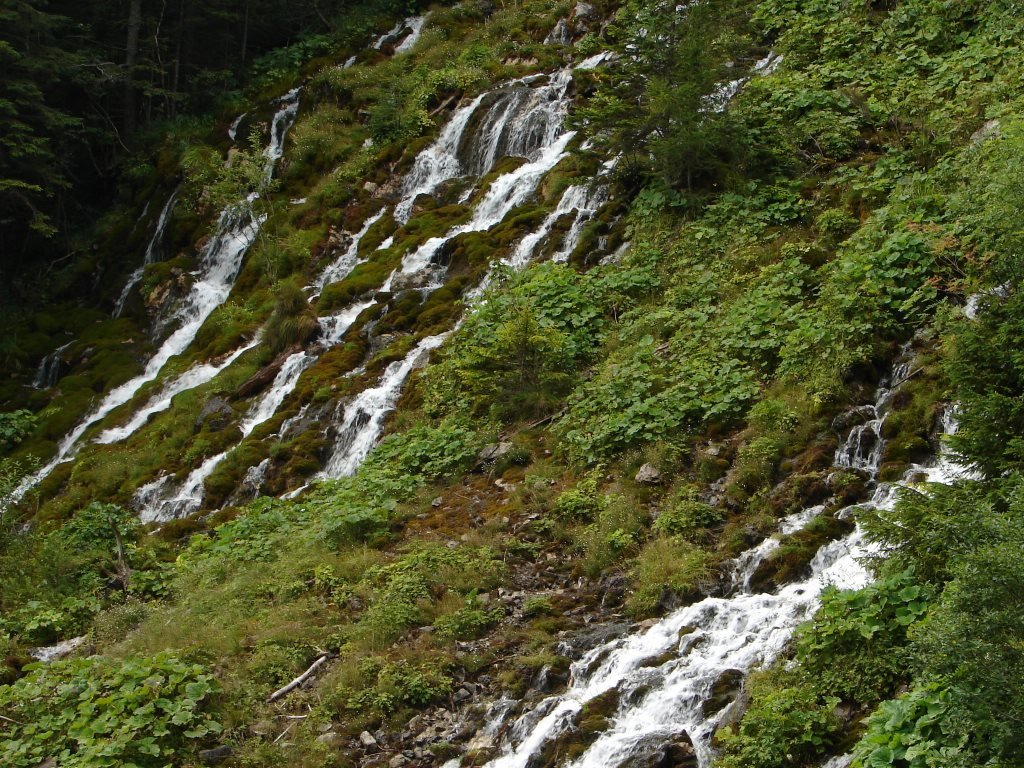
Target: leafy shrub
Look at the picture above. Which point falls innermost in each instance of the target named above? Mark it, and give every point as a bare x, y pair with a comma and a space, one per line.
912, 731
15, 426
667, 565
97, 712
467, 623
787, 723
856, 647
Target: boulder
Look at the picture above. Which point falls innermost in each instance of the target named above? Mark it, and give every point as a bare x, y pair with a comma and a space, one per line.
215, 415
648, 475
367, 740
494, 451
585, 13
215, 756
723, 692
561, 35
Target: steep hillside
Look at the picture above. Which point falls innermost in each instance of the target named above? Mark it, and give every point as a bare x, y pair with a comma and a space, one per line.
541, 384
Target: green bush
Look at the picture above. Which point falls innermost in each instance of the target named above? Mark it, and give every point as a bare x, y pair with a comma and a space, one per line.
97, 712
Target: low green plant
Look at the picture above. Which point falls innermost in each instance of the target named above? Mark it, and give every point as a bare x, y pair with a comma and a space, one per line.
97, 712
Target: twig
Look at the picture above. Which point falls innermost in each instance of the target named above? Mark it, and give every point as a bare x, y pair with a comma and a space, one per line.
283, 734
9, 720
298, 680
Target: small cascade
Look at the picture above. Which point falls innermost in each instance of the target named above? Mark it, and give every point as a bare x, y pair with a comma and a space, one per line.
664, 701
288, 108
505, 193
719, 99
219, 264
340, 268
585, 202
152, 251
192, 378
411, 27
364, 416
415, 25
48, 373
520, 121
157, 501
235, 124
862, 449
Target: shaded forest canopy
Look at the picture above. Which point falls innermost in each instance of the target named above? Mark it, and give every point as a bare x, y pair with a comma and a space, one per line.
87, 87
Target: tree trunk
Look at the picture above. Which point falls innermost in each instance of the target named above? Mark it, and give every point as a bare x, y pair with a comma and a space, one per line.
131, 56
245, 33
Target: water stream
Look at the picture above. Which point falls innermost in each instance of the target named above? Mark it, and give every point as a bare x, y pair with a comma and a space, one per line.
152, 252
663, 701
219, 264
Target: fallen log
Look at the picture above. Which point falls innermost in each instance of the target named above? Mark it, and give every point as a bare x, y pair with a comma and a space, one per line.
300, 679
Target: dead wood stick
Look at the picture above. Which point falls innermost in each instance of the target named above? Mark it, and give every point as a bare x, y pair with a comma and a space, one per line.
299, 680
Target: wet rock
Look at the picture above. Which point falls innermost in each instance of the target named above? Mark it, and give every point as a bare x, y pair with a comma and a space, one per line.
331, 739
580, 642
216, 414
215, 756
549, 678
658, 753
585, 13
262, 378
648, 475
367, 740
612, 587
724, 691
853, 417
494, 451
560, 35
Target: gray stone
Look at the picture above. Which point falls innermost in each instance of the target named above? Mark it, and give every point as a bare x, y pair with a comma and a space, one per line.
990, 130
560, 35
398, 761
648, 475
215, 756
331, 739
371, 187
216, 414
494, 451
367, 740
461, 695
584, 12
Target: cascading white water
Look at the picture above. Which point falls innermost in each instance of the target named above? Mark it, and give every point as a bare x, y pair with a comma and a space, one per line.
340, 268
505, 193
192, 378
364, 417
520, 121
662, 701
719, 99
49, 368
151, 254
219, 264
158, 501
414, 25
233, 128
284, 118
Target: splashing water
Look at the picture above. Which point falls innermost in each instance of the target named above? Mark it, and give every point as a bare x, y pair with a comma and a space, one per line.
152, 251
663, 701
364, 417
158, 501
220, 262
194, 377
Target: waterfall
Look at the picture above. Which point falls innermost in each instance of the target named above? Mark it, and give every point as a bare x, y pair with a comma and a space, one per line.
233, 128
364, 417
152, 251
157, 501
192, 378
49, 369
520, 121
505, 193
663, 701
340, 268
414, 25
579, 200
219, 264
279, 127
